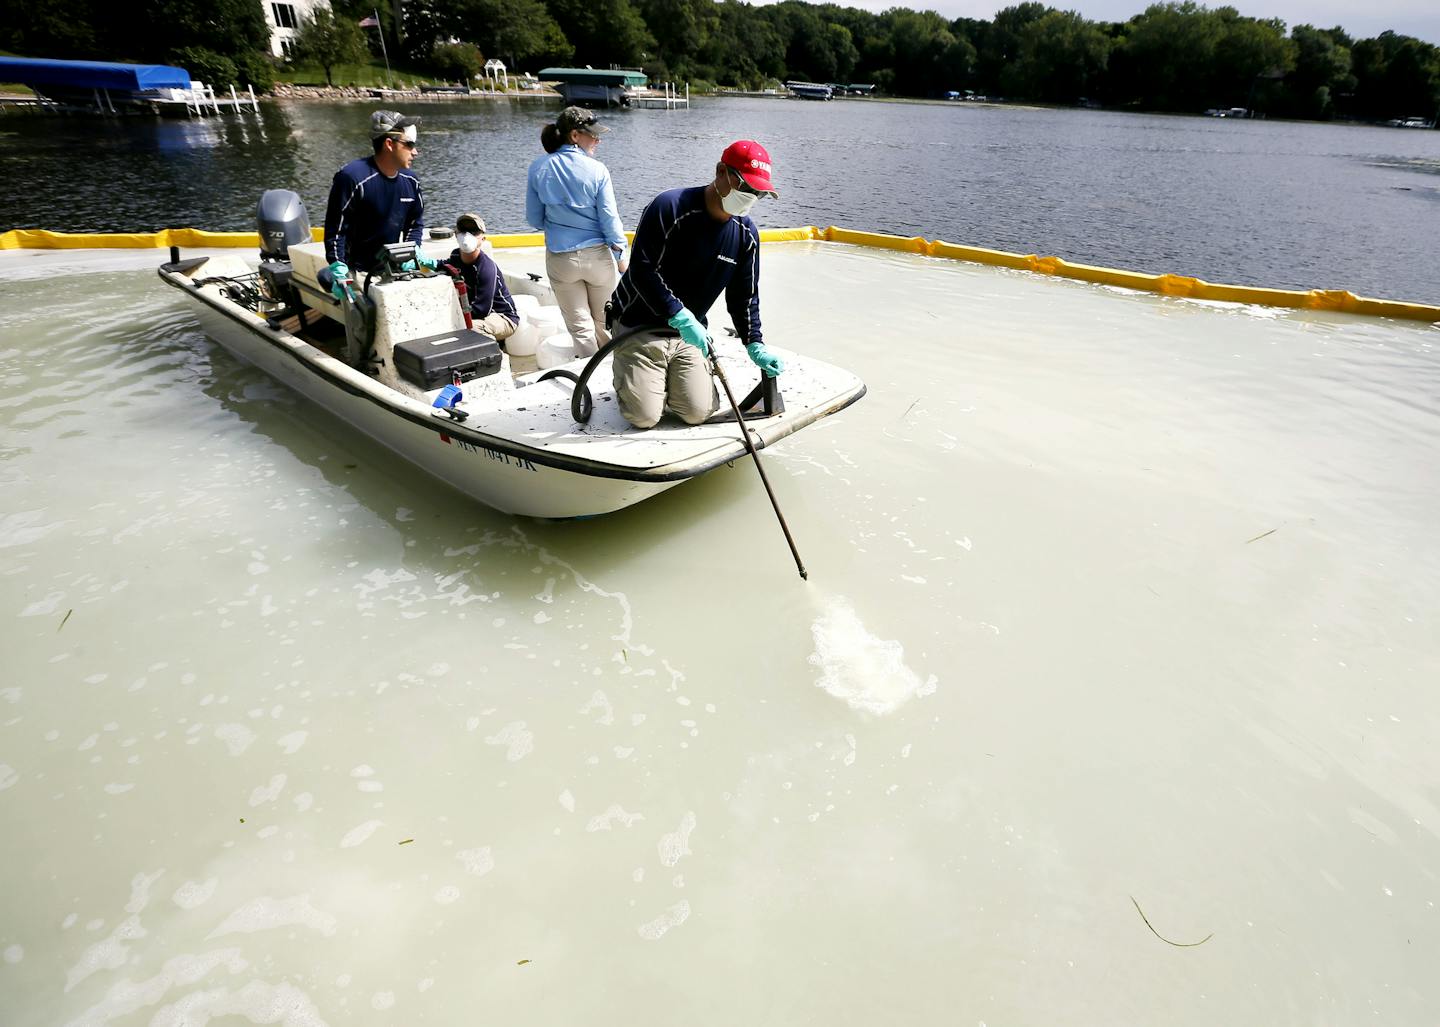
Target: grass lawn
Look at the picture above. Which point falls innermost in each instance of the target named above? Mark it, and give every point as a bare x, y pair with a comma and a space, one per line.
14, 88
363, 75
372, 74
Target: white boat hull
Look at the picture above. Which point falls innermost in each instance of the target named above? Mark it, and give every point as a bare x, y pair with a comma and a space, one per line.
525, 456
507, 481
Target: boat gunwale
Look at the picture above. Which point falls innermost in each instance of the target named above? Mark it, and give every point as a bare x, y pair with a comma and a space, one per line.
312, 359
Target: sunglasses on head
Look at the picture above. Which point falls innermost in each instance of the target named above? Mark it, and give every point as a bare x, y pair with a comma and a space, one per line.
741, 184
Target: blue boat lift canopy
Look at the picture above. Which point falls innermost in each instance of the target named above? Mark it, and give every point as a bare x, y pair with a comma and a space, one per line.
32, 71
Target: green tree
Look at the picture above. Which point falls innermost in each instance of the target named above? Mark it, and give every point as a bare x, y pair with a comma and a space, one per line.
604, 32
1321, 74
206, 66
139, 30
1002, 43
46, 30
1396, 76
681, 29
927, 57
1062, 57
457, 62
1171, 47
744, 49
328, 41
815, 49
517, 31
1251, 53
255, 69
227, 27
427, 23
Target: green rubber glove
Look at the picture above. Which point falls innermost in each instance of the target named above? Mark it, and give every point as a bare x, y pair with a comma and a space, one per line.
765, 360
424, 261
340, 287
691, 330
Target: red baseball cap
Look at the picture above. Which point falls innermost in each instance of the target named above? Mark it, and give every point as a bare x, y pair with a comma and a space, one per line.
752, 162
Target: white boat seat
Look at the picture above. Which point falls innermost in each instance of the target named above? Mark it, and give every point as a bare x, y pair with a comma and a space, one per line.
307, 259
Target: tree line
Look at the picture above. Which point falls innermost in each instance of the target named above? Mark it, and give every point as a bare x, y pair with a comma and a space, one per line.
1171, 57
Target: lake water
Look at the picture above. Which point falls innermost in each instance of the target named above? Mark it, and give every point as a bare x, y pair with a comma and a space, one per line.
1286, 205
1120, 625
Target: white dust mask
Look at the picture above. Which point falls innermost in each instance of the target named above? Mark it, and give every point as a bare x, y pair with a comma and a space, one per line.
736, 203
468, 243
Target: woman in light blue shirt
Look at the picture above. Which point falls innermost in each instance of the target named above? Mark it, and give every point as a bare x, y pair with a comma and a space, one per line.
568, 196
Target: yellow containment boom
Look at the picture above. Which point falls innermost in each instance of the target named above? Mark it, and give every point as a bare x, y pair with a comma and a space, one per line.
1165, 284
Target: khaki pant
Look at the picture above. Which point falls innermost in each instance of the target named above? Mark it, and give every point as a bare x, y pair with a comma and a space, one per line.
583, 282
657, 372
497, 324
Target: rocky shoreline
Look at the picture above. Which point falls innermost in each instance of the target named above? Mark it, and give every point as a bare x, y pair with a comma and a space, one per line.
293, 91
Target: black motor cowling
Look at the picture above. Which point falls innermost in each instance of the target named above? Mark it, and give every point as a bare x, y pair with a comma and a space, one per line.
281, 220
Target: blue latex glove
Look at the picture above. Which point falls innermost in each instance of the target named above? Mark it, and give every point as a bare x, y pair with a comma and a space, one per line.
691, 330
764, 359
340, 286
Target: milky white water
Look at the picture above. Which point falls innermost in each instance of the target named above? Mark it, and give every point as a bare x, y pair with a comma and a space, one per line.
1117, 604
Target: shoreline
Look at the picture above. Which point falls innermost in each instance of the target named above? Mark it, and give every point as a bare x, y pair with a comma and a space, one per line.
313, 93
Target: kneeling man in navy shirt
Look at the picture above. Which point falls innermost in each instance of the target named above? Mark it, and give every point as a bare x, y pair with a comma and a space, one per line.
690, 245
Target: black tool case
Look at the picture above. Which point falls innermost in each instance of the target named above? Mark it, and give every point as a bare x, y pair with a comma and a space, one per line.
432, 362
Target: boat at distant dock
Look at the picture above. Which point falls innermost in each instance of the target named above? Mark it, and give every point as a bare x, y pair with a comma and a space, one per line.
595, 87
811, 90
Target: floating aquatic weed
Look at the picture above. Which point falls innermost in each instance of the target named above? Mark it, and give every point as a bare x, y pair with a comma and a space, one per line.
1167, 941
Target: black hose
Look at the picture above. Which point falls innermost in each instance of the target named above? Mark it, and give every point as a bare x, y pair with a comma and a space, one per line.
581, 405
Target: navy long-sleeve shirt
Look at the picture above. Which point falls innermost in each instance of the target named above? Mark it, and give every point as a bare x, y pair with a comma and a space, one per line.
368, 209
682, 257
485, 286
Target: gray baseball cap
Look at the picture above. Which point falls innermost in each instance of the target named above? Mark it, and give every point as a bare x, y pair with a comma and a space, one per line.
572, 118
384, 123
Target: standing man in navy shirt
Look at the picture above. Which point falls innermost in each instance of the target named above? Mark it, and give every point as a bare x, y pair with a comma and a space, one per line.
690, 245
375, 200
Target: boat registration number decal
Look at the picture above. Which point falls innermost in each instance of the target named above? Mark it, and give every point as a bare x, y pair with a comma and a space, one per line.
493, 454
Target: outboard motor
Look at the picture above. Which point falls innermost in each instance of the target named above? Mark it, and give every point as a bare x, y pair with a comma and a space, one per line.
281, 220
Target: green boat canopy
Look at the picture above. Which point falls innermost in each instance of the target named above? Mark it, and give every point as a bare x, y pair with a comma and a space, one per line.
594, 76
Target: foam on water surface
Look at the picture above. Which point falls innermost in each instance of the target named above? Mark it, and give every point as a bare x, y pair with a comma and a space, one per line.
866, 673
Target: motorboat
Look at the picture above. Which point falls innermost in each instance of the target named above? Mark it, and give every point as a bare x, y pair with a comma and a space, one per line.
811, 90
397, 361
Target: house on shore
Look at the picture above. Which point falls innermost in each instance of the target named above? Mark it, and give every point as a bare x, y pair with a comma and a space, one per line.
284, 18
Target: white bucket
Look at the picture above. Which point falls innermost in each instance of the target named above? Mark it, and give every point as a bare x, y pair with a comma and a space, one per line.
556, 350
525, 339
525, 303
547, 319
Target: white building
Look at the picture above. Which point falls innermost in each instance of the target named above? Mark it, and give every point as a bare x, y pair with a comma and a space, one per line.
285, 17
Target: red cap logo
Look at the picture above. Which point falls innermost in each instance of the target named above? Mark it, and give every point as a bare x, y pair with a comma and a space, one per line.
752, 162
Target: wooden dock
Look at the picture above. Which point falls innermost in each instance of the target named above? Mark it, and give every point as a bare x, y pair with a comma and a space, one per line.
668, 98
